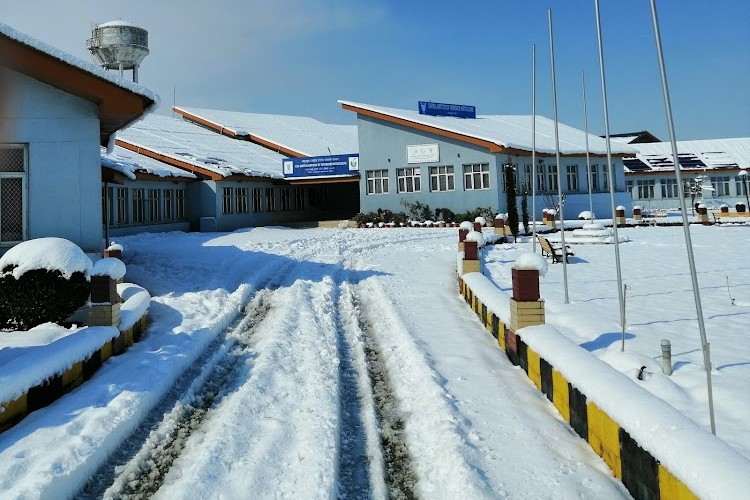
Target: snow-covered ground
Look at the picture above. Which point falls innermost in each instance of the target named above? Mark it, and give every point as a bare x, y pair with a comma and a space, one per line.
320, 363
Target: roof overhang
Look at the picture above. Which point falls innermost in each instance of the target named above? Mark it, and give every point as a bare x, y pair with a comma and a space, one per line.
117, 106
217, 127
202, 172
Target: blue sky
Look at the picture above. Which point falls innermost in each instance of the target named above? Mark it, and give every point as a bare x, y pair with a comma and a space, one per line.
300, 57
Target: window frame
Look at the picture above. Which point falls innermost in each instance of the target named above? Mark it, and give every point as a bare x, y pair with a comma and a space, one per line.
446, 172
477, 171
571, 177
409, 180
23, 176
377, 179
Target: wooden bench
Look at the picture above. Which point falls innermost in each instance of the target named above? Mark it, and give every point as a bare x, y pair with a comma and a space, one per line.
555, 252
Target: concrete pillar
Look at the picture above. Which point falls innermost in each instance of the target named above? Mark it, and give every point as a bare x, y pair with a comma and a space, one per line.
620, 216
105, 302
526, 308
478, 227
461, 237
471, 257
549, 218
702, 213
500, 226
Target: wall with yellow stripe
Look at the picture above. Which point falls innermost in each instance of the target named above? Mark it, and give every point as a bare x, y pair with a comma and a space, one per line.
643, 476
58, 384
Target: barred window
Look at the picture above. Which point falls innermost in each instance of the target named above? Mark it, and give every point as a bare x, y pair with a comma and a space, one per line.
257, 200
226, 200
179, 205
152, 202
121, 205
377, 181
241, 200
168, 204
441, 178
286, 202
138, 205
13, 171
477, 176
270, 200
299, 198
408, 180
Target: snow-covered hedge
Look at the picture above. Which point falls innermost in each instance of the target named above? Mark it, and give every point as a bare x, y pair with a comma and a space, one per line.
42, 280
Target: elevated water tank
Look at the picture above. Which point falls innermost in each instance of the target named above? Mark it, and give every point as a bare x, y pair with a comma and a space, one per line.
119, 45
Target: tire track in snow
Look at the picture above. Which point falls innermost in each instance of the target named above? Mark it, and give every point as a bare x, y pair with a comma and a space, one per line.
137, 468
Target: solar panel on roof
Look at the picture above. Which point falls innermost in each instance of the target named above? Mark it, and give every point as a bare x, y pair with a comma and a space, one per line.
634, 164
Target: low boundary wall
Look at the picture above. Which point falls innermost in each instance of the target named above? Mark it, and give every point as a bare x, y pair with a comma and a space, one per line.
578, 391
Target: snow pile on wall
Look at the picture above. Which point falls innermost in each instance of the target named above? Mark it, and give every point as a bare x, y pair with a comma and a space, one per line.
111, 267
532, 261
136, 301
53, 254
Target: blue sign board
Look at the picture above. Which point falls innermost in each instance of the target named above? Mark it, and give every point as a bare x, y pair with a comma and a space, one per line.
317, 166
440, 109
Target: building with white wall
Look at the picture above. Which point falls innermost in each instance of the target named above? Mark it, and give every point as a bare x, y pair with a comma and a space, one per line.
458, 163
56, 111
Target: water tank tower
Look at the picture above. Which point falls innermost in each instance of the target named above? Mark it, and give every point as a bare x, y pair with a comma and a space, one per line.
119, 45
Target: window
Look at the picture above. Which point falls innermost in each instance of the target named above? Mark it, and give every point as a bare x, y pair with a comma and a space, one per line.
377, 181
525, 179
720, 185
540, 179
139, 205
629, 187
152, 205
408, 180
605, 177
226, 200
121, 206
13, 168
270, 200
741, 189
552, 178
669, 188
240, 201
477, 176
571, 173
179, 205
441, 178
286, 202
257, 200
299, 198
644, 189
594, 172
168, 210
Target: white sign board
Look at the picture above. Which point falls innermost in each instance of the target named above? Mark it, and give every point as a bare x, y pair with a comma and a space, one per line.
422, 153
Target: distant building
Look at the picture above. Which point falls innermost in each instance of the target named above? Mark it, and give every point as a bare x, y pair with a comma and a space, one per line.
56, 112
634, 137
458, 163
709, 167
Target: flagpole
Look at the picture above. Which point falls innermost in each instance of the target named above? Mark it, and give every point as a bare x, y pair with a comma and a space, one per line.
610, 173
533, 146
557, 159
588, 159
688, 241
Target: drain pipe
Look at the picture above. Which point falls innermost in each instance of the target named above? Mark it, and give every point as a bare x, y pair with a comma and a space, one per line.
666, 357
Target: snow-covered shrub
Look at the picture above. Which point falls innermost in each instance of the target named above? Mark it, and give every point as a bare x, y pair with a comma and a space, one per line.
43, 280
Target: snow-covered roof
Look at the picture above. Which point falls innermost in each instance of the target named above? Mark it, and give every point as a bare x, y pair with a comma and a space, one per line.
118, 22
700, 154
195, 146
300, 134
504, 131
129, 163
623, 139
87, 66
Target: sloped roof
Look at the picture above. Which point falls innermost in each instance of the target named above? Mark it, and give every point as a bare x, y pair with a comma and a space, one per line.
295, 136
120, 101
129, 163
192, 147
707, 154
498, 133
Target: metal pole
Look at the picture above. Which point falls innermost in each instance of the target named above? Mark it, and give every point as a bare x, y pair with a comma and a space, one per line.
106, 215
557, 158
533, 147
610, 171
588, 159
685, 226
625, 289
